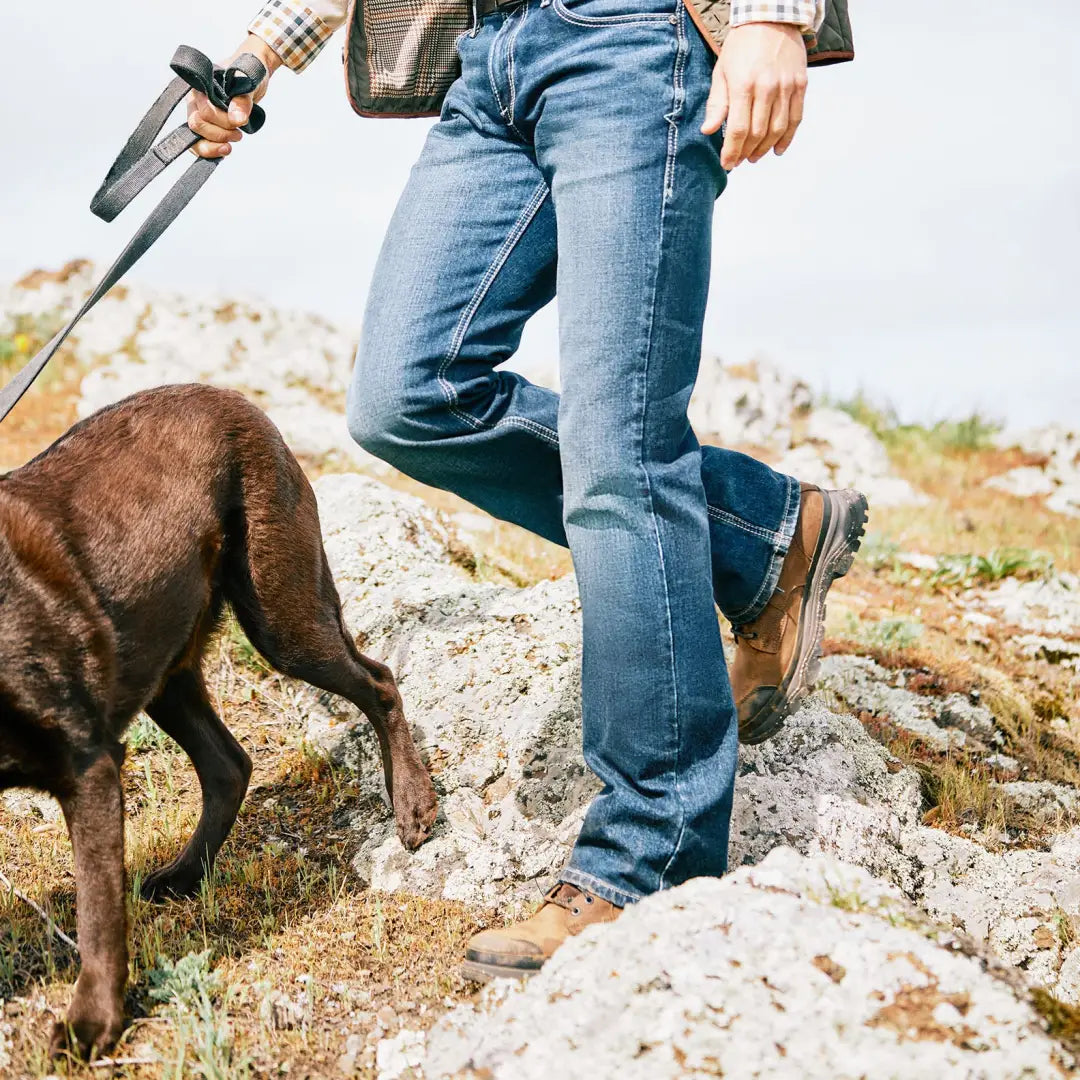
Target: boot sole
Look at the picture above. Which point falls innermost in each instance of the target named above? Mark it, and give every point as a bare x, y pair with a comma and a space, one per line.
477, 972
842, 532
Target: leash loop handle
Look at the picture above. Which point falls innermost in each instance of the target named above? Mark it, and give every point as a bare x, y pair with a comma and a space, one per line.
139, 162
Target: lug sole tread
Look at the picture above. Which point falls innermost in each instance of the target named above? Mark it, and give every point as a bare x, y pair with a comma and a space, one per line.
770, 718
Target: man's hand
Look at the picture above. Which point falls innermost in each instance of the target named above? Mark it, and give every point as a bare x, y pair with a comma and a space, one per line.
218, 128
758, 87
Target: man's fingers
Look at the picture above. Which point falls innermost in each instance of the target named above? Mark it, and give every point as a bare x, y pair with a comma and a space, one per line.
765, 97
215, 126
201, 106
213, 132
778, 125
716, 108
740, 107
240, 109
795, 115
206, 149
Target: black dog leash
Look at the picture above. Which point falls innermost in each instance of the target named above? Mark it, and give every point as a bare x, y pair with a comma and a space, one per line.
140, 162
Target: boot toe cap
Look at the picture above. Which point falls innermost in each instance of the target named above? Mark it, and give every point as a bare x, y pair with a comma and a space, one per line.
498, 947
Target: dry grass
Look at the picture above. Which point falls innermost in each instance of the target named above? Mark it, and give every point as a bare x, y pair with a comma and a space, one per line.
964, 516
303, 956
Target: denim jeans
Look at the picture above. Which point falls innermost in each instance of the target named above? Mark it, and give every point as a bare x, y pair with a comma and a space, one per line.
568, 159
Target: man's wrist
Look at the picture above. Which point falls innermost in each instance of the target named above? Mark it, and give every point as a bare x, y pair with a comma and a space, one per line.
793, 30
805, 15
259, 48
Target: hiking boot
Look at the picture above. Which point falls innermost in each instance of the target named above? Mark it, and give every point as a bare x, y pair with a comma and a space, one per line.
777, 655
520, 950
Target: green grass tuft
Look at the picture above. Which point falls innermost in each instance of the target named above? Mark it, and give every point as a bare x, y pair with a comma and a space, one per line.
898, 633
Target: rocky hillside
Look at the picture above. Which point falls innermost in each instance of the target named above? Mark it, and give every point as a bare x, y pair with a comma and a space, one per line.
907, 895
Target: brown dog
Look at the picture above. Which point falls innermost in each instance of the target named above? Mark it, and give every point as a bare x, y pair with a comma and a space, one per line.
120, 545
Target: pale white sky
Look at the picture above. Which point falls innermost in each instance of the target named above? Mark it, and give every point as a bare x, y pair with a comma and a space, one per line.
921, 240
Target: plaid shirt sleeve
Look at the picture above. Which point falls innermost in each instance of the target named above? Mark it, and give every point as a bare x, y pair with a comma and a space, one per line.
808, 15
297, 32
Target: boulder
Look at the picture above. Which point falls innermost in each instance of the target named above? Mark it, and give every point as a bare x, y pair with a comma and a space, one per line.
836, 451
758, 405
798, 967
490, 678
946, 723
295, 365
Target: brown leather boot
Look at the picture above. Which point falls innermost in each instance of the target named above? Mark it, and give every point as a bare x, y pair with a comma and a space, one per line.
520, 950
776, 659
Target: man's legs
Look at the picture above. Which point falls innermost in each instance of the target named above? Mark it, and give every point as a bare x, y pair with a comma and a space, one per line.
470, 255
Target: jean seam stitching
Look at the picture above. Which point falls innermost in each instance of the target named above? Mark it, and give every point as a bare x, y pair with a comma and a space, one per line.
650, 341
768, 582
669, 187
727, 518
541, 430
515, 234
678, 96
510, 71
606, 20
491, 76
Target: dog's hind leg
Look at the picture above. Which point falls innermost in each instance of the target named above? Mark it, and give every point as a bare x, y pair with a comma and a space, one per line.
284, 596
183, 711
94, 811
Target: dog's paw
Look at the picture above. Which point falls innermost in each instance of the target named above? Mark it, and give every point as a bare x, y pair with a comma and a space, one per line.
415, 808
85, 1035
173, 882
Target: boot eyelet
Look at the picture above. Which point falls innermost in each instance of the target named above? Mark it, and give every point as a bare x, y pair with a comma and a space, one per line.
588, 899
575, 911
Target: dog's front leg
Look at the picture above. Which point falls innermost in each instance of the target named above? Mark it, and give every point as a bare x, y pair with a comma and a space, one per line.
94, 811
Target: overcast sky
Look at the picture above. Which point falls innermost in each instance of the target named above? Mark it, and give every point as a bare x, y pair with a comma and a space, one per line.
920, 241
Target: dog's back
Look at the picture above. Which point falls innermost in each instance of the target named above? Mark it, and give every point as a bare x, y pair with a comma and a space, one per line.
134, 510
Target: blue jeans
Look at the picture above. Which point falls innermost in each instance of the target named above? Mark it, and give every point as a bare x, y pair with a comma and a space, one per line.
568, 159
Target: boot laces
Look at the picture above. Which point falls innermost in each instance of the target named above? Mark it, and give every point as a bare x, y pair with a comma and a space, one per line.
568, 896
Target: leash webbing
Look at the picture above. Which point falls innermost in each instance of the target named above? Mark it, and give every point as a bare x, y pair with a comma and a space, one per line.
140, 161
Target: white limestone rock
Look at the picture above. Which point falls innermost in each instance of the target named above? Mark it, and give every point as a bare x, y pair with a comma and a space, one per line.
295, 365
1024, 481
824, 786
1047, 606
799, 967
490, 677
1048, 801
839, 452
759, 405
1057, 476
752, 405
401, 1056
943, 723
